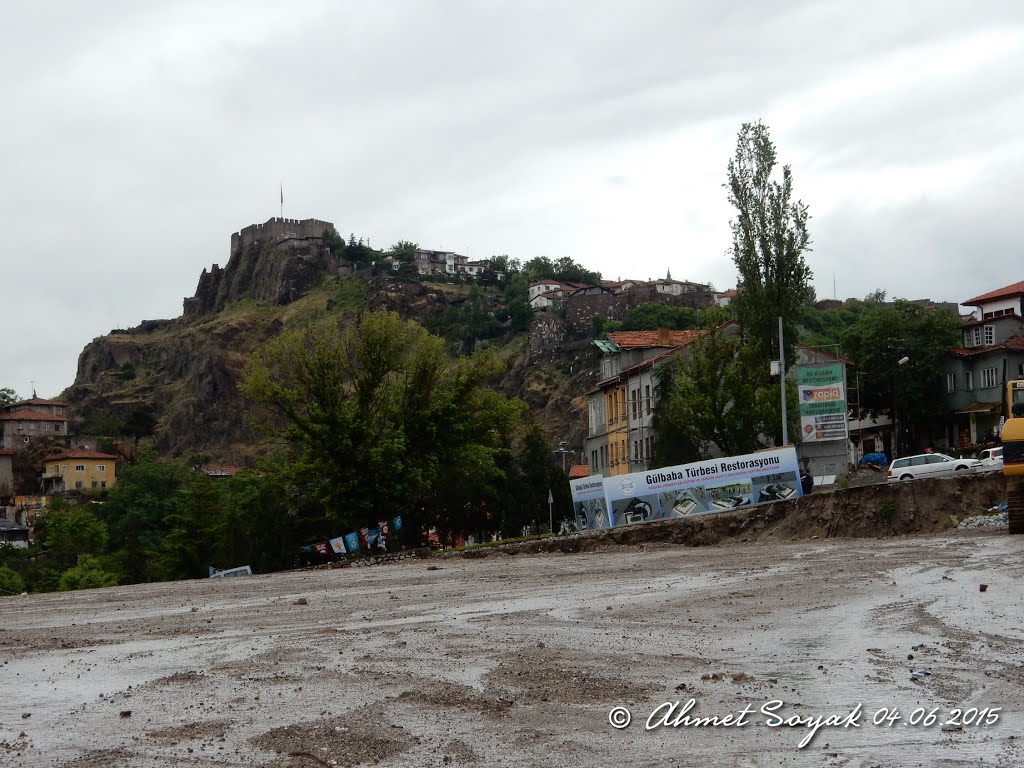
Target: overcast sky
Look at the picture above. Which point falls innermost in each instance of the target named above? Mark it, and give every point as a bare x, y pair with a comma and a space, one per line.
138, 135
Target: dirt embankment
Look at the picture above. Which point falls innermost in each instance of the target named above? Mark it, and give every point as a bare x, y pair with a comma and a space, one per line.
874, 511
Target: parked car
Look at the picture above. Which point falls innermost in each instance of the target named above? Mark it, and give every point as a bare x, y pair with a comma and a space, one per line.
991, 459
929, 465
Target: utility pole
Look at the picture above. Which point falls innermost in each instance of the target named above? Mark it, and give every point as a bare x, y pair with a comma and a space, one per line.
782, 385
551, 511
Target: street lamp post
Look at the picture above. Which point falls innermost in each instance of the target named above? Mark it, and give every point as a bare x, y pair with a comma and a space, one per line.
897, 424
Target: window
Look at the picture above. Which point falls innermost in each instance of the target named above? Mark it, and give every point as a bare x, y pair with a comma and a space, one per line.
101, 467
647, 398
976, 336
633, 398
990, 334
79, 483
988, 378
95, 484
79, 467
58, 411
951, 382
593, 460
103, 483
24, 439
636, 450
934, 459
968, 380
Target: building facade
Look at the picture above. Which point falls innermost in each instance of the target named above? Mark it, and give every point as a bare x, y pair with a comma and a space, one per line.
21, 423
976, 373
78, 470
620, 435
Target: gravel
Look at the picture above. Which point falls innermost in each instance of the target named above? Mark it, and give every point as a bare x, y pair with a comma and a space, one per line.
999, 520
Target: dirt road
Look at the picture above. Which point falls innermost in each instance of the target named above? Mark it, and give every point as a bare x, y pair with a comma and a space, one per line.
517, 661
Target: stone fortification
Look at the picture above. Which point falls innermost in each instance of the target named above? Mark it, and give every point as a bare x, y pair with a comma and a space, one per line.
278, 260
277, 227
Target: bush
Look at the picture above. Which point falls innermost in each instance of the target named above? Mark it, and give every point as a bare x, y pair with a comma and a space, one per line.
88, 573
886, 509
10, 582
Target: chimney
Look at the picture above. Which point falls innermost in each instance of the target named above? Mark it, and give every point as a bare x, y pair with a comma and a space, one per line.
663, 338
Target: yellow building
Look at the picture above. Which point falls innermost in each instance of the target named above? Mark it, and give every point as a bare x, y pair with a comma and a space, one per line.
78, 470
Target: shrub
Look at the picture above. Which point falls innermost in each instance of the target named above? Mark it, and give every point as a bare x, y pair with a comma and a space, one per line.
10, 582
88, 573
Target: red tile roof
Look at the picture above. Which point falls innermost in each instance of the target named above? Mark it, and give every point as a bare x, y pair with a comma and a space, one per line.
6, 452
1017, 289
579, 470
27, 414
660, 338
41, 401
80, 453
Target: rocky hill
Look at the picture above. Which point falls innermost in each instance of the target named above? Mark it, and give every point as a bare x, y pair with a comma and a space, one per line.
179, 378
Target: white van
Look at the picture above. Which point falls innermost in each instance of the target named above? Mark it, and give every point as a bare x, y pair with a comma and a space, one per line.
991, 458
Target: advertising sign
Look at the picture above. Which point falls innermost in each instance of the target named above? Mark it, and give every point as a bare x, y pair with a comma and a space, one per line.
588, 503
716, 485
822, 395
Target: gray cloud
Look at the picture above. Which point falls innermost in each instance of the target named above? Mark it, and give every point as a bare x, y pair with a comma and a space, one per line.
142, 134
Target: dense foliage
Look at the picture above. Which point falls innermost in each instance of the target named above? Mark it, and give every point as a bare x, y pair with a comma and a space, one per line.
769, 239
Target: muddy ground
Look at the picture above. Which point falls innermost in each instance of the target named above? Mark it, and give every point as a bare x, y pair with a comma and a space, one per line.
517, 660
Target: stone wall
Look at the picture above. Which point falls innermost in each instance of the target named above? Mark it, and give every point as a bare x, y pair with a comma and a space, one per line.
278, 227
580, 310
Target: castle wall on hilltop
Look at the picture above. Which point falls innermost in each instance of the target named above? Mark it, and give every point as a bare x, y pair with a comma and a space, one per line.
278, 260
279, 227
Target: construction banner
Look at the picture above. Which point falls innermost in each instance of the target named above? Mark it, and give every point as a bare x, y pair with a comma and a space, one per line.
588, 503
716, 485
821, 390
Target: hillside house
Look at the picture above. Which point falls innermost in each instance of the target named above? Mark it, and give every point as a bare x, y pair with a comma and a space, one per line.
977, 372
28, 420
78, 469
620, 434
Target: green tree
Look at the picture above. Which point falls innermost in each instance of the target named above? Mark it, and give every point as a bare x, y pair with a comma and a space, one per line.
769, 239
88, 573
708, 398
652, 315
69, 531
8, 396
404, 252
881, 336
138, 513
375, 411
543, 268
11, 582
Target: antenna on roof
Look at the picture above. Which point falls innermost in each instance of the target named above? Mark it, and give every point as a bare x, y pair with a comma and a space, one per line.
33, 383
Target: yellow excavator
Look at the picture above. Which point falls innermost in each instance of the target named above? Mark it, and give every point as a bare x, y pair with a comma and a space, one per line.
1013, 465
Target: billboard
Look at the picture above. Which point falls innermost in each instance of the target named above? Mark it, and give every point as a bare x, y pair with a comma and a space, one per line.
821, 391
715, 485
588, 503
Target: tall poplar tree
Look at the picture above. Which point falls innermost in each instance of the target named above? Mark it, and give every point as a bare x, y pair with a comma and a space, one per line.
769, 239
